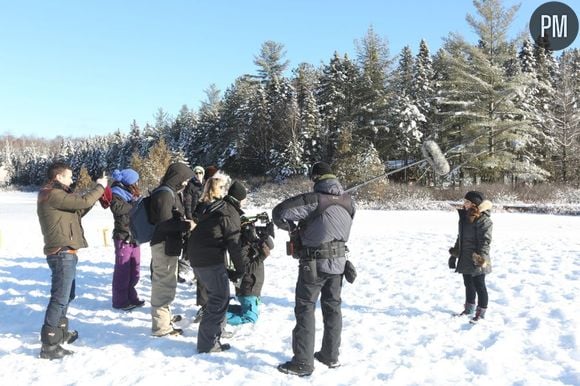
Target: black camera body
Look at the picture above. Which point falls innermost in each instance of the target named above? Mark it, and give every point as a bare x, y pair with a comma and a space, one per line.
252, 232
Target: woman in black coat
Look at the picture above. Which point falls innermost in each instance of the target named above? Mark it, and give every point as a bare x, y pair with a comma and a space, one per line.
217, 233
472, 251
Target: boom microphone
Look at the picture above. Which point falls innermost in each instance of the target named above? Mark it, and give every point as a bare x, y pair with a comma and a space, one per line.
433, 155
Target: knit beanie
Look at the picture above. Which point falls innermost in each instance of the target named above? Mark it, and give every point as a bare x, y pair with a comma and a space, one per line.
210, 171
198, 169
126, 176
320, 169
475, 197
237, 191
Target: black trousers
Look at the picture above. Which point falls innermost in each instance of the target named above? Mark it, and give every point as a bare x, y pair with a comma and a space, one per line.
475, 285
329, 287
215, 280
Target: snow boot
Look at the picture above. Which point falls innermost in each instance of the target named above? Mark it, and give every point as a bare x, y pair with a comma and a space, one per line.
298, 369
331, 364
479, 315
468, 310
220, 347
67, 336
51, 338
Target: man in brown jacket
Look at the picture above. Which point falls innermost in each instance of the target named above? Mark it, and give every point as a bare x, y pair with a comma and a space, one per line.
59, 213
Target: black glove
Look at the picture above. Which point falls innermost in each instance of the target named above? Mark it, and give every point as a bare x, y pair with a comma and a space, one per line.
454, 251
451, 262
234, 276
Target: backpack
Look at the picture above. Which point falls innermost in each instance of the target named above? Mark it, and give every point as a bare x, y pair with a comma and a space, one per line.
139, 224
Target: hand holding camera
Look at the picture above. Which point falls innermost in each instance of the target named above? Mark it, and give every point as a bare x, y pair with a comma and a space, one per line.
234, 276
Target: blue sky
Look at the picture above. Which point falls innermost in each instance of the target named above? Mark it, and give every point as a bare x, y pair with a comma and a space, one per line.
79, 68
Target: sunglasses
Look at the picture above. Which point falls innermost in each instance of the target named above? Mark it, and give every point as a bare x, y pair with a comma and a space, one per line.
200, 173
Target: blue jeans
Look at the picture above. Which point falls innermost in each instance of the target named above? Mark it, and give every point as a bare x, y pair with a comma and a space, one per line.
63, 267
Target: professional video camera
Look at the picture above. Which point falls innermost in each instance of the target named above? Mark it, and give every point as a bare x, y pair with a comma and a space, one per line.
252, 232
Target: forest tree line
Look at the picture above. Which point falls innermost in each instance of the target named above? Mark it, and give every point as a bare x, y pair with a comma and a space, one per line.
502, 111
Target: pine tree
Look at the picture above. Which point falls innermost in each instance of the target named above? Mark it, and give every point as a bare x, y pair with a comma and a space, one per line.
357, 162
405, 118
84, 180
152, 168
564, 115
526, 57
237, 154
270, 61
371, 93
481, 100
185, 124
337, 100
423, 89
209, 144
306, 82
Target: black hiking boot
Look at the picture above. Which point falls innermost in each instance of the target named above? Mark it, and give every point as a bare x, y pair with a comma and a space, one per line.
297, 369
217, 347
70, 336
331, 364
54, 352
67, 336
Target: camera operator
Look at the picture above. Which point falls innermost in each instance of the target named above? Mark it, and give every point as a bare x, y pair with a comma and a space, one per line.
324, 219
256, 245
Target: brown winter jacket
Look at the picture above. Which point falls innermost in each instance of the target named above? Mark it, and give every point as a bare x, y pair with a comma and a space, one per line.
59, 213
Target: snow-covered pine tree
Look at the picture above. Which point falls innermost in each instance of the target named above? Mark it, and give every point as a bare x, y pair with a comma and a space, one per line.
423, 91
186, 125
306, 81
237, 155
564, 113
336, 97
405, 118
209, 128
480, 100
373, 59
357, 162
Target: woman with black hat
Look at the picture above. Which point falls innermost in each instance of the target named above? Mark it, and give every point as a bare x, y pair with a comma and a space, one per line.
471, 250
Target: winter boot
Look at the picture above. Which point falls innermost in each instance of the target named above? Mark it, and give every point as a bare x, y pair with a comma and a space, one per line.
468, 310
479, 314
218, 347
67, 336
51, 338
292, 368
331, 364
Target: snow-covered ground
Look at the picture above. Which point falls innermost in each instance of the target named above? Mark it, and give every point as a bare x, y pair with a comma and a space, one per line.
398, 328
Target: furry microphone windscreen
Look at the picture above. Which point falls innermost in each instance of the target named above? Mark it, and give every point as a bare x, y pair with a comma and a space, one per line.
435, 157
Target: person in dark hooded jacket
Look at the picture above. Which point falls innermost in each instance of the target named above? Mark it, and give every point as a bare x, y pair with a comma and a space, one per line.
471, 250
166, 212
217, 232
324, 218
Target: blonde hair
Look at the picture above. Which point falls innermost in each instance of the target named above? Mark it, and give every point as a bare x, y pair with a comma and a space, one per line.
211, 190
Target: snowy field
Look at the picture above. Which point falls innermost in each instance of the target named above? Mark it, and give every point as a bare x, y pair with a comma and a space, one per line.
398, 328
